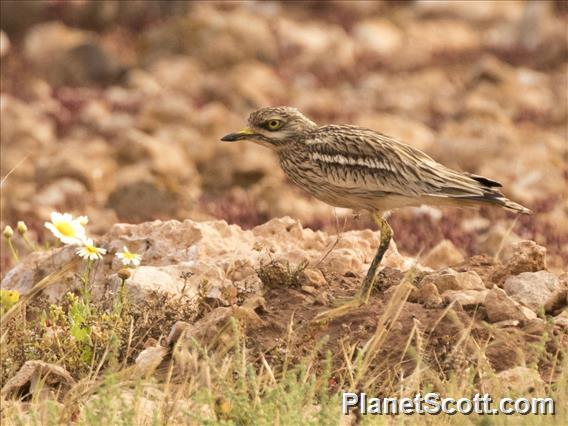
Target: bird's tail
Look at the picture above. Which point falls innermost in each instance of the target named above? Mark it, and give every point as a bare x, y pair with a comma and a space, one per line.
467, 188
497, 198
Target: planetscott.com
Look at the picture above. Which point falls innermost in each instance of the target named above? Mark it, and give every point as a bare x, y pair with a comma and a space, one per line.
432, 403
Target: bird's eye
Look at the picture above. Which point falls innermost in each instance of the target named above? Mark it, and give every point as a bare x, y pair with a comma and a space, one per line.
273, 124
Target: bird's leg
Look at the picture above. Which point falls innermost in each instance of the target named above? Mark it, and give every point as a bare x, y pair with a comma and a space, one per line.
386, 235
365, 292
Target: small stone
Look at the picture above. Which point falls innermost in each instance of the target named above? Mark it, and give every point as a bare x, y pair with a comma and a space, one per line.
532, 289
426, 294
465, 298
527, 256
535, 327
149, 359
507, 323
557, 302
157, 201
309, 289
176, 332
377, 37
521, 380
448, 279
499, 241
37, 377
500, 307
69, 56
562, 320
529, 314
444, 254
312, 277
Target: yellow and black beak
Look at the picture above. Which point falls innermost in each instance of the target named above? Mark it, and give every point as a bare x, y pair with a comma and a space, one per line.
237, 136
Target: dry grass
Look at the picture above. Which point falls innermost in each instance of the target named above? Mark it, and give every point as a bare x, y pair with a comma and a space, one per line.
224, 382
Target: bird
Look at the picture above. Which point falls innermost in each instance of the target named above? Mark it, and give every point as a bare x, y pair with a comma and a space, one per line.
361, 169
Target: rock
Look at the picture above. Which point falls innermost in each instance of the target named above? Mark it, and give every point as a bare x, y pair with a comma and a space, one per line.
34, 267
309, 42
562, 320
217, 39
278, 274
500, 307
98, 405
61, 194
426, 294
86, 162
165, 279
37, 376
24, 126
557, 302
527, 256
377, 37
521, 380
449, 279
149, 360
507, 323
465, 298
312, 277
532, 289
208, 328
144, 200
254, 83
529, 314
444, 254
69, 56
179, 257
477, 11
499, 241
433, 38
178, 328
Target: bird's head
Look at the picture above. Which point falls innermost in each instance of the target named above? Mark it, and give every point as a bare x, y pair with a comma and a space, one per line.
273, 127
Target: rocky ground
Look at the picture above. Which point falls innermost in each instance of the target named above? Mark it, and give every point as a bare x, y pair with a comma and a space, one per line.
114, 110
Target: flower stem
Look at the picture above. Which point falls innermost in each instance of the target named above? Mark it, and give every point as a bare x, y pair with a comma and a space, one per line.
30, 245
13, 250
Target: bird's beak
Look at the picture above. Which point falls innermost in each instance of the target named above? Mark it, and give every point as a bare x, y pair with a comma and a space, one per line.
237, 136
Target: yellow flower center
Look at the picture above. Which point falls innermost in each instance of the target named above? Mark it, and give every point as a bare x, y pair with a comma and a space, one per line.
65, 229
91, 249
128, 255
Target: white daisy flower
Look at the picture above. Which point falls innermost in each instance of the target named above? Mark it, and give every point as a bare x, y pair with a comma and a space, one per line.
89, 251
129, 258
67, 229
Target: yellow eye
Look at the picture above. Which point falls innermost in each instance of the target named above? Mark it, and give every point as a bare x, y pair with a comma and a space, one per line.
273, 124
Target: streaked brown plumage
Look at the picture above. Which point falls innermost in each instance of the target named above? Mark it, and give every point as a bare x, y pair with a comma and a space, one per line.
359, 168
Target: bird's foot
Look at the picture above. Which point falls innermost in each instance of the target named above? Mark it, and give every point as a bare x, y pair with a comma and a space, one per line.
362, 298
346, 305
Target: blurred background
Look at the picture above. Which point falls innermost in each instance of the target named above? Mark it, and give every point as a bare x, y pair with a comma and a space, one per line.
115, 109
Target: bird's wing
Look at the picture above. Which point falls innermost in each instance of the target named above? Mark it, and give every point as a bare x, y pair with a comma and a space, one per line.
356, 158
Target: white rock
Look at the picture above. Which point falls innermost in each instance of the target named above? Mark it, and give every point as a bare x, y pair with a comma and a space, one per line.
179, 256
377, 36
444, 254
465, 298
532, 289
521, 379
449, 279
